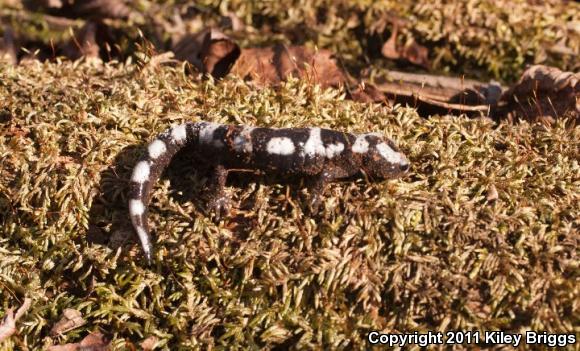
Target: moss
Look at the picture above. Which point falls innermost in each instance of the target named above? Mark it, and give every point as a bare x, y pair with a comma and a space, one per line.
425, 252
483, 39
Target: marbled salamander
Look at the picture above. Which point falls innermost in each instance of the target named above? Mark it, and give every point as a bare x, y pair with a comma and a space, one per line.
321, 154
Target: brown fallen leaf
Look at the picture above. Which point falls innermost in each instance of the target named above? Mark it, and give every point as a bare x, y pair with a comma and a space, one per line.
368, 93
416, 54
71, 319
411, 52
149, 343
389, 49
8, 324
94, 342
210, 51
542, 93
270, 66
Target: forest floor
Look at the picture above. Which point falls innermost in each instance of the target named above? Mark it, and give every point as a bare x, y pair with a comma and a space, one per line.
482, 234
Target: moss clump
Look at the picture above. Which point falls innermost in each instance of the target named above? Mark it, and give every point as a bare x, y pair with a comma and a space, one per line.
426, 252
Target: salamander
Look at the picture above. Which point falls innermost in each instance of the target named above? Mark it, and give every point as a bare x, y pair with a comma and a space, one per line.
321, 155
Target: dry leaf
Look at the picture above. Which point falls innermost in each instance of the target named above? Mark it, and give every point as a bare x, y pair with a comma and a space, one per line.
71, 319
270, 66
210, 51
412, 52
94, 342
416, 54
8, 325
389, 49
368, 93
149, 343
542, 93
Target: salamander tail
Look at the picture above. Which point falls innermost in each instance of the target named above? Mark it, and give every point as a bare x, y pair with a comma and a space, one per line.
145, 174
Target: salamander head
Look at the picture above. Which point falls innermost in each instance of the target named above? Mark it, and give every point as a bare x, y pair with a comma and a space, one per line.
380, 157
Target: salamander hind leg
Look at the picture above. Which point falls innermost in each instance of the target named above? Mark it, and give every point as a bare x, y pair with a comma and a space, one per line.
218, 201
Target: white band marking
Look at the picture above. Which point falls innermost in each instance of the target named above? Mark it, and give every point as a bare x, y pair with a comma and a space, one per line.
333, 150
136, 207
141, 172
280, 146
314, 144
361, 145
179, 133
156, 148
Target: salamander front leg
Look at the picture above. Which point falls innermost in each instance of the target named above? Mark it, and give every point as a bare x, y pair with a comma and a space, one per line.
218, 202
316, 186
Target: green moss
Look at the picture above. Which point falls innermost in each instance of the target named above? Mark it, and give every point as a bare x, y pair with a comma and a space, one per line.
425, 252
